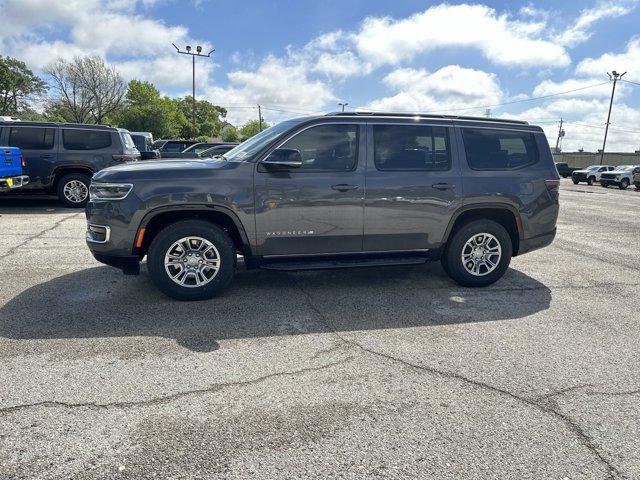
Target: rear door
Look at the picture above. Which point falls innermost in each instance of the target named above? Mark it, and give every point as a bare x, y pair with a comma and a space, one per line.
317, 208
413, 186
38, 146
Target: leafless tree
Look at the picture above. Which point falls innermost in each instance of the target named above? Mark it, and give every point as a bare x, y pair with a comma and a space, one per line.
87, 88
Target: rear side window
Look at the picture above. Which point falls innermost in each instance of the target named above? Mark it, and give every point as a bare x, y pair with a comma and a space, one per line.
127, 140
326, 147
31, 138
85, 139
174, 147
411, 147
488, 149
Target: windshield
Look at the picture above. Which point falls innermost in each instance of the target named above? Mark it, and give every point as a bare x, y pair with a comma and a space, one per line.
255, 143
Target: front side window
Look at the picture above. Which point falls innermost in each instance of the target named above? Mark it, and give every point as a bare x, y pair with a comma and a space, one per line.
173, 147
411, 147
31, 138
326, 147
73, 139
489, 149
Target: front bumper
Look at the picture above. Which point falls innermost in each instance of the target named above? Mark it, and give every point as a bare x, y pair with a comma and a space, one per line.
128, 265
9, 183
534, 243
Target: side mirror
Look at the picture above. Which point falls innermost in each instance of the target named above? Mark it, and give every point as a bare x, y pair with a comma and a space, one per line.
283, 158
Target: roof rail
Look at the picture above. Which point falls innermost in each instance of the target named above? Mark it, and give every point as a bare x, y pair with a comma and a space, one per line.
427, 115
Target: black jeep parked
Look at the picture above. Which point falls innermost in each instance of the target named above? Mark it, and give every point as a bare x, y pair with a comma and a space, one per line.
61, 158
333, 191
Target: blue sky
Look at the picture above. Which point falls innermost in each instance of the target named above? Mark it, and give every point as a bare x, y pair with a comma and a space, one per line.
296, 57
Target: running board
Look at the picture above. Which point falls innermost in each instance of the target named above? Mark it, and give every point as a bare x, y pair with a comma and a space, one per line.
343, 263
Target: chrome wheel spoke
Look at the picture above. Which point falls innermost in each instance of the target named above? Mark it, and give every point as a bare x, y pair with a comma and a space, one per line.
192, 262
481, 254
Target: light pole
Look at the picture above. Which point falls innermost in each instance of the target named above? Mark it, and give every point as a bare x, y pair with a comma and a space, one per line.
343, 105
197, 53
615, 76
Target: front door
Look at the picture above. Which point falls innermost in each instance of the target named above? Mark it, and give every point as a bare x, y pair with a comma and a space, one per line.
318, 207
413, 186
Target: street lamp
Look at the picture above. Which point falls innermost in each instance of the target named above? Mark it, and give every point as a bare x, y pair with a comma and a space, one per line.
343, 105
198, 53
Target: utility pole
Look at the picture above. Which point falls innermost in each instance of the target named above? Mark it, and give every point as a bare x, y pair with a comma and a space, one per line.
487, 113
260, 116
343, 105
198, 53
560, 135
615, 76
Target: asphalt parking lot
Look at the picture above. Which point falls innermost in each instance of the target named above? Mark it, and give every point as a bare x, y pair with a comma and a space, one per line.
386, 373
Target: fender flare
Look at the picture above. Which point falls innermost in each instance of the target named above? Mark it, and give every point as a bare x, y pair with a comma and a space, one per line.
483, 206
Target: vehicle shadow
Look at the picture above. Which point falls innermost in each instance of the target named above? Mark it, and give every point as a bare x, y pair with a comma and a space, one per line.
21, 204
100, 302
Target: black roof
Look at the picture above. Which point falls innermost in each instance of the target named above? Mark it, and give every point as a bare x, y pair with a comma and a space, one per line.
427, 116
58, 124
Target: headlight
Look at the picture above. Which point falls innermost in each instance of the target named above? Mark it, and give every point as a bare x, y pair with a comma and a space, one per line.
109, 191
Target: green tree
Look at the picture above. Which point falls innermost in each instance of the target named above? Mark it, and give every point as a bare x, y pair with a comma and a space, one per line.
208, 118
251, 128
146, 111
18, 86
229, 133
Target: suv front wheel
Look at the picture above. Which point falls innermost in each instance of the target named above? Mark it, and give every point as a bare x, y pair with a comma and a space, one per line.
478, 254
73, 190
191, 260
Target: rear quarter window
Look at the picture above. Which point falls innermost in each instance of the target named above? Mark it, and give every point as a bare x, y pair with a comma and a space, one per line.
77, 139
489, 149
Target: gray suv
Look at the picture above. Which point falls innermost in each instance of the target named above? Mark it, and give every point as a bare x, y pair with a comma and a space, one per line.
60, 158
333, 191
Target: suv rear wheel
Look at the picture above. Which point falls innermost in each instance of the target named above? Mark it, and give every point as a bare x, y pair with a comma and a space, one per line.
478, 254
191, 260
73, 190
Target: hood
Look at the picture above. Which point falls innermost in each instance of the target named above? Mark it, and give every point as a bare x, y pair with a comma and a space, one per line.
159, 169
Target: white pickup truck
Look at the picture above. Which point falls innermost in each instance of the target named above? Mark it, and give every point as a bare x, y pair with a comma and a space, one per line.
621, 177
590, 174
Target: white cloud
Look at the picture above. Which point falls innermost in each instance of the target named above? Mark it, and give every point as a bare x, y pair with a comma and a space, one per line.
275, 84
139, 46
383, 40
448, 88
580, 30
550, 87
621, 62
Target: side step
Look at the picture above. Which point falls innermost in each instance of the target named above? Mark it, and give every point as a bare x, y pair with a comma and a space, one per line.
344, 263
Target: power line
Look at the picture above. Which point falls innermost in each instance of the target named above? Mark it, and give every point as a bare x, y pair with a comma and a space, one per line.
629, 81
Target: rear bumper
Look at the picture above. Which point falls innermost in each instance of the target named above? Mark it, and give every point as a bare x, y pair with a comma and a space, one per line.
9, 183
534, 243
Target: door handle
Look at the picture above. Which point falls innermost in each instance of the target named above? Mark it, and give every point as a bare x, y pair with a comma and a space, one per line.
443, 186
46, 156
343, 187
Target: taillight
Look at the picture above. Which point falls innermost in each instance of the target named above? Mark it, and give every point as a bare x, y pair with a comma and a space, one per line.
553, 187
23, 162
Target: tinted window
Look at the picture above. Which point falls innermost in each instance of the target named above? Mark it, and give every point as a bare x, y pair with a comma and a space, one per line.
85, 139
410, 147
326, 147
174, 147
142, 143
499, 149
31, 138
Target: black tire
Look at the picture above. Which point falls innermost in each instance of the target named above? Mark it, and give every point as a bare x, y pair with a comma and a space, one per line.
64, 194
565, 176
575, 182
187, 228
624, 184
452, 261
590, 180
604, 185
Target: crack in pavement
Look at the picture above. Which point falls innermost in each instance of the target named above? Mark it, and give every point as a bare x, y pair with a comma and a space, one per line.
567, 390
169, 398
547, 407
14, 249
